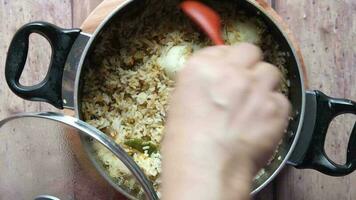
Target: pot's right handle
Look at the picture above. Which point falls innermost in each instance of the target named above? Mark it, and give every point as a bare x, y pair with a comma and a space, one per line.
61, 41
309, 152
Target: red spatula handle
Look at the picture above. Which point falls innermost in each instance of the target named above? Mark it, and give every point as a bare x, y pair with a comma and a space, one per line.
206, 18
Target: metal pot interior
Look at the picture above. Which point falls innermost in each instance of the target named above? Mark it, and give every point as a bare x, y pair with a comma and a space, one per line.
135, 8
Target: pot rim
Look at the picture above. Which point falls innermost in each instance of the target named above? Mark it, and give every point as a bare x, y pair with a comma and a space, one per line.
76, 89
276, 23
299, 61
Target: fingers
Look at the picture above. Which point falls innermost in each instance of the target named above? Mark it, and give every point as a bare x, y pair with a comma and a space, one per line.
270, 111
209, 58
230, 90
244, 55
213, 52
275, 112
240, 58
284, 107
267, 75
229, 72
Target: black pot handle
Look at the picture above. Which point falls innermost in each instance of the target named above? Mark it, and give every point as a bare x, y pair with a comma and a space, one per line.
309, 152
61, 41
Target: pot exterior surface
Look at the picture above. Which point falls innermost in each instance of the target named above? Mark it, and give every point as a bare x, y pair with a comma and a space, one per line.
295, 67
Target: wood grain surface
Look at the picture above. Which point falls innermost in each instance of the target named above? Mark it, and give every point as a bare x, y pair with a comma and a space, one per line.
325, 30
14, 14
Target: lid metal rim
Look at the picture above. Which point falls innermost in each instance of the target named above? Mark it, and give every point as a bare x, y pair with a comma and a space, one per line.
98, 136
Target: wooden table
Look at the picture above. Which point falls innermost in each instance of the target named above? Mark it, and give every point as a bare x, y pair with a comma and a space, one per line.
326, 31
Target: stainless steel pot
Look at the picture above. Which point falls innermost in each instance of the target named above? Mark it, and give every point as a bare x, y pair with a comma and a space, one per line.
302, 147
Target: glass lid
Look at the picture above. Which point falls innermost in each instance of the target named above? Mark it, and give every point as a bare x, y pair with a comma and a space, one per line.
42, 156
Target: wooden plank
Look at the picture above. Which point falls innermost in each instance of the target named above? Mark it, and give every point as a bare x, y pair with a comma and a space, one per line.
293, 184
14, 14
326, 32
81, 10
267, 193
270, 2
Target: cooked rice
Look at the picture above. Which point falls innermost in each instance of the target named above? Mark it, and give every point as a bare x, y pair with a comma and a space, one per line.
126, 91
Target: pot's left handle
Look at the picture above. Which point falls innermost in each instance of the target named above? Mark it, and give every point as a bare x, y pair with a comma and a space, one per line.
61, 41
309, 152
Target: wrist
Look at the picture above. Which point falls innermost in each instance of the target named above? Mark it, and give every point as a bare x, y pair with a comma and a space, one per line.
203, 171
236, 177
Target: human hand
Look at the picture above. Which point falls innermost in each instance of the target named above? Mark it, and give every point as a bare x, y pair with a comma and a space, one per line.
225, 120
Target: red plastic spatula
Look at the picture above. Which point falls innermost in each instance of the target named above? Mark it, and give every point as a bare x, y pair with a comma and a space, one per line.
206, 18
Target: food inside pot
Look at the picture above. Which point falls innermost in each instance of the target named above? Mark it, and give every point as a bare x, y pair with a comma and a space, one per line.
127, 86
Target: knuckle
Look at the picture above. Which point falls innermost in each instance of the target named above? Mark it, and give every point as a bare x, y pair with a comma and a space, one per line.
275, 70
284, 104
250, 48
192, 66
224, 73
231, 84
211, 51
270, 108
269, 70
242, 84
272, 69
